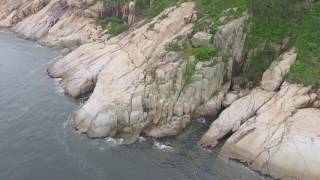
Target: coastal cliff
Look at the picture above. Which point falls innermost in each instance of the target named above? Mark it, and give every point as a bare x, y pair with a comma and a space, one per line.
255, 75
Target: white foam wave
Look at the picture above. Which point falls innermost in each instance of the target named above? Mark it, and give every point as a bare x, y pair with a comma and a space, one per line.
113, 141
59, 88
161, 146
142, 139
201, 120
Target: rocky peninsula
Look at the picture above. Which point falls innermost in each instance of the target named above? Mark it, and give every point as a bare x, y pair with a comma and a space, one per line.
164, 71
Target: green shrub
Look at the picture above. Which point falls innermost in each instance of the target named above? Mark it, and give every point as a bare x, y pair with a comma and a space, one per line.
260, 63
203, 53
113, 25
273, 20
181, 43
210, 11
158, 6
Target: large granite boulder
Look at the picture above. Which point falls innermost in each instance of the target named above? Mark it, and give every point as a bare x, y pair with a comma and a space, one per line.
201, 39
282, 138
231, 118
274, 132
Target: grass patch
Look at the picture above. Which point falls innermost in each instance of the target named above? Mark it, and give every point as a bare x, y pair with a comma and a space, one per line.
260, 63
151, 11
274, 20
180, 43
202, 54
158, 6
306, 70
209, 12
113, 26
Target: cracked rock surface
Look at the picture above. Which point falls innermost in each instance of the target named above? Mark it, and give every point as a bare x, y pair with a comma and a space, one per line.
55, 23
139, 87
282, 138
275, 132
122, 72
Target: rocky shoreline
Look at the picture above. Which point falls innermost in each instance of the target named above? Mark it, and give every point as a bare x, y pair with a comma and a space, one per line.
140, 87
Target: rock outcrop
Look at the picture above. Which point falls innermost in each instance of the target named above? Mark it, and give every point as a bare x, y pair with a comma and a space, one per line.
118, 70
55, 23
282, 139
275, 132
139, 87
274, 76
14, 11
246, 107
231, 118
201, 39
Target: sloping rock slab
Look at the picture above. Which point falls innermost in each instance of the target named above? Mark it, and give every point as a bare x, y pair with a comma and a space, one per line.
282, 140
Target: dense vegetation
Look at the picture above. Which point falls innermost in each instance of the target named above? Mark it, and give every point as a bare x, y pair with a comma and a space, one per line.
210, 11
307, 68
271, 22
113, 25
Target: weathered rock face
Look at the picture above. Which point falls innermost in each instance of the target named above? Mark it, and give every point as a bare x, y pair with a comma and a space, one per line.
247, 106
171, 101
230, 98
231, 118
201, 39
138, 85
119, 70
13, 11
56, 23
282, 138
276, 133
230, 38
274, 76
